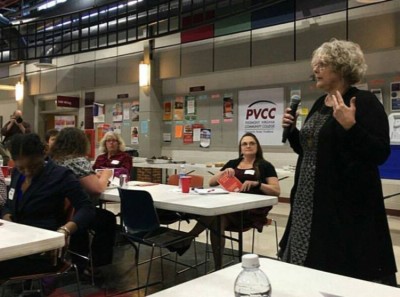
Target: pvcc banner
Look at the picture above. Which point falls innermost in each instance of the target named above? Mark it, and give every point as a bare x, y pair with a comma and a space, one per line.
260, 112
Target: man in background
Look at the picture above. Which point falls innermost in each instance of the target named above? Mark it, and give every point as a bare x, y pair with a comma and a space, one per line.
16, 125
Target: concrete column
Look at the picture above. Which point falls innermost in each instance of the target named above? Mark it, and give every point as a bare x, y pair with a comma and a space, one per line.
26, 105
150, 101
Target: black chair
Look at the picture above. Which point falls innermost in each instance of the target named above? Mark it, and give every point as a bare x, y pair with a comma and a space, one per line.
142, 226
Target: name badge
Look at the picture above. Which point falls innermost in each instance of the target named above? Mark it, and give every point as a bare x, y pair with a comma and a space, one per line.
115, 162
11, 194
249, 172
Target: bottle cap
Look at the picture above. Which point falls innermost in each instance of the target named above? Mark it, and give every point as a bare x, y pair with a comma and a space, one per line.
250, 261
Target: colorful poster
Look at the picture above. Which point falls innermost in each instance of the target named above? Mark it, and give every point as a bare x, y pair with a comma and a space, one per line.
228, 106
117, 113
64, 121
260, 112
126, 110
205, 138
116, 127
187, 134
101, 130
178, 109
190, 108
135, 110
167, 116
98, 113
178, 131
135, 135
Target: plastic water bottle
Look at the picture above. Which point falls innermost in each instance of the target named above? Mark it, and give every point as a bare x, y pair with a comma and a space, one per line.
1, 160
182, 172
252, 281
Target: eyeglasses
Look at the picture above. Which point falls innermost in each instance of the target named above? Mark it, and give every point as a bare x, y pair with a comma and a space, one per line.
111, 140
321, 66
251, 143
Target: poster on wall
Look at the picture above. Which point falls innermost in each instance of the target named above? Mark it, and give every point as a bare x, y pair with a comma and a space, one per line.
64, 121
101, 130
187, 134
126, 106
260, 112
116, 128
135, 110
135, 135
395, 95
167, 115
117, 113
190, 108
98, 113
178, 109
205, 138
228, 106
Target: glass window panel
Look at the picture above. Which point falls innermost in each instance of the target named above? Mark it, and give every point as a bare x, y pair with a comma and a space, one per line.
312, 32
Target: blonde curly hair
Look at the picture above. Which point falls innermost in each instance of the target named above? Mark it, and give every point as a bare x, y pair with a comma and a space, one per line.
111, 135
345, 58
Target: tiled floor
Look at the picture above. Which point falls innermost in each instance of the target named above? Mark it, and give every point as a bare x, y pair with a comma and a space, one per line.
122, 274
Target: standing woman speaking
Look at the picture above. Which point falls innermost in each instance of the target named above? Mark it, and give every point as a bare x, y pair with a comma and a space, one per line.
337, 221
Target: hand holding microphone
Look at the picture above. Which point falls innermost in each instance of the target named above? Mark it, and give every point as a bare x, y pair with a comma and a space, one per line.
289, 116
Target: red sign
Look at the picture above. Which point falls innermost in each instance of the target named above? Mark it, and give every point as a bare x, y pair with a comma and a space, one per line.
64, 101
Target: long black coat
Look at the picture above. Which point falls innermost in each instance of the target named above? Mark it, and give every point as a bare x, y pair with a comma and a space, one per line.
349, 231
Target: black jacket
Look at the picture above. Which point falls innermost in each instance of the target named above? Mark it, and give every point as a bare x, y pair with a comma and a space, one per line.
42, 205
349, 233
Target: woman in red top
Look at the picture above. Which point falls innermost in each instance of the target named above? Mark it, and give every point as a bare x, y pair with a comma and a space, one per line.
114, 156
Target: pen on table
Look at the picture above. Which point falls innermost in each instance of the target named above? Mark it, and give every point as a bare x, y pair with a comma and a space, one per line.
211, 190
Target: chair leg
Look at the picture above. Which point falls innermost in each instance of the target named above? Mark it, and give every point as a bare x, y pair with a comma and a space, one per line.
149, 270
252, 241
78, 286
232, 253
162, 266
276, 236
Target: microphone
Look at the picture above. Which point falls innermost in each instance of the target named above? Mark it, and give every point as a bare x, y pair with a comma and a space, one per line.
294, 103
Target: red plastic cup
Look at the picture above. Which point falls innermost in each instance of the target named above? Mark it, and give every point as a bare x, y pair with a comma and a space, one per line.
185, 183
5, 170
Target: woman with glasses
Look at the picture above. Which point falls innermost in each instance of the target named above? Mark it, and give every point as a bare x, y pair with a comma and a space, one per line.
337, 221
113, 146
257, 176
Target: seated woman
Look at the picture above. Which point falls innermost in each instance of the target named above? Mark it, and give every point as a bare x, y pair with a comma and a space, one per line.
37, 196
3, 191
70, 150
258, 176
114, 156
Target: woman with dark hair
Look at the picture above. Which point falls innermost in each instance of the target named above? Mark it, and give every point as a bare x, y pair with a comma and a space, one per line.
70, 150
38, 190
257, 176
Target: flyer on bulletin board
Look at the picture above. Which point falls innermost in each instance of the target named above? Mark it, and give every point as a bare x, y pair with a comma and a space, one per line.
102, 129
117, 113
135, 110
187, 134
205, 138
228, 106
135, 135
190, 108
178, 109
167, 116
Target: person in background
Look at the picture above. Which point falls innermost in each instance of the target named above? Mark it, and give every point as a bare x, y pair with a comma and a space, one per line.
337, 221
36, 198
50, 138
70, 150
257, 176
3, 191
16, 125
113, 147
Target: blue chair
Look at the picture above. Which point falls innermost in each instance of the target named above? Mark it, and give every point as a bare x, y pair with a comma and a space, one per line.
142, 226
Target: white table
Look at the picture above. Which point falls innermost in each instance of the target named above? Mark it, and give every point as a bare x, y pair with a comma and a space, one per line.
287, 281
18, 240
170, 198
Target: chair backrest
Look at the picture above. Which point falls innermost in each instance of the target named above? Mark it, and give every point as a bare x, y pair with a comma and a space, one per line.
137, 210
197, 181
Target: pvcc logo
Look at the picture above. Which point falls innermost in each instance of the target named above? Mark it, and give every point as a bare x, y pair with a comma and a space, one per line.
262, 109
